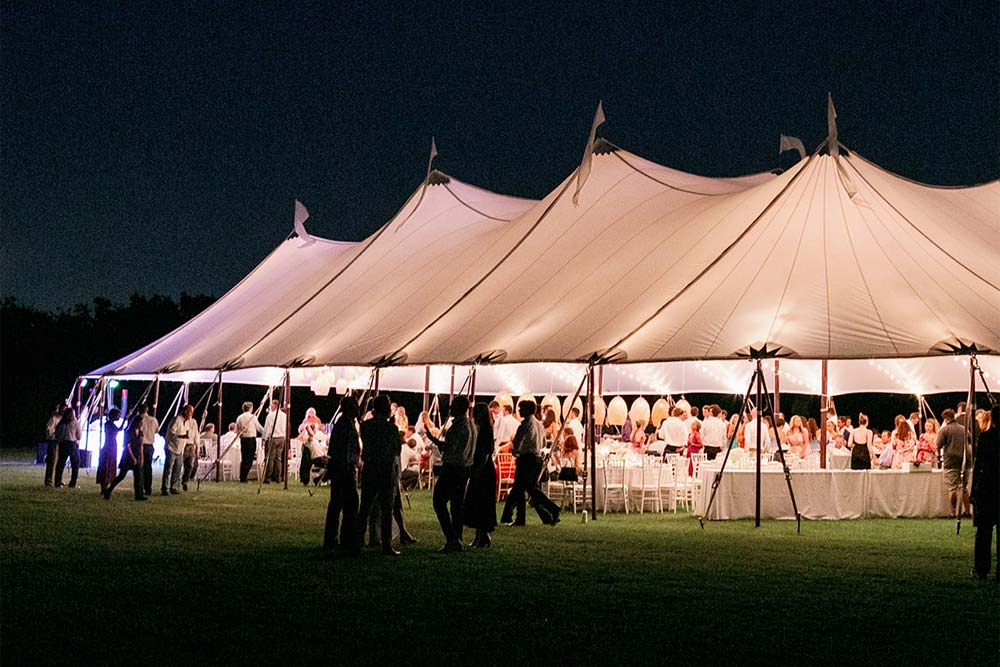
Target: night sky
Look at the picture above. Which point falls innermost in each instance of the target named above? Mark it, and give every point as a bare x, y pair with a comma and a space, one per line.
160, 150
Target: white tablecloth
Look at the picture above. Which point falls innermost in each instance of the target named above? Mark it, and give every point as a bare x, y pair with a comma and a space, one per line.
825, 494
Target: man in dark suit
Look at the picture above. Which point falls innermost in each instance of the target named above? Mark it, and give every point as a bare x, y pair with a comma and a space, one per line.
381, 442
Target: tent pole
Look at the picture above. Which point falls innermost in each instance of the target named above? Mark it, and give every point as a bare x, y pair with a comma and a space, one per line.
79, 390
378, 378
472, 386
451, 393
219, 432
824, 413
758, 407
288, 423
427, 387
156, 395
589, 445
777, 391
600, 390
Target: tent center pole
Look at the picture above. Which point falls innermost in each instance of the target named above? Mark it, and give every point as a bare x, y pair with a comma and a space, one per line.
824, 413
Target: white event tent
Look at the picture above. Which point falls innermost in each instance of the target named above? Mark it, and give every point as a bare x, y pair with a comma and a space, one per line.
662, 278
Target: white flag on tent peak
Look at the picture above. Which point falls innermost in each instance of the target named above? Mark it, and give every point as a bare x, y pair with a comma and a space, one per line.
787, 143
430, 160
588, 153
301, 215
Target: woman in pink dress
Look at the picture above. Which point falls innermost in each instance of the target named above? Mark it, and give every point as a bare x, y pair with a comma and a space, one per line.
639, 436
927, 445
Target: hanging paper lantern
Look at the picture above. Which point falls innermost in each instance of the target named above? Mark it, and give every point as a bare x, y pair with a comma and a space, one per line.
661, 410
640, 410
321, 385
578, 404
684, 405
600, 411
551, 402
504, 398
617, 411
527, 397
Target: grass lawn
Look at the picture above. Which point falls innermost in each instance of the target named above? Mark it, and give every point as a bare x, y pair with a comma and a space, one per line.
227, 574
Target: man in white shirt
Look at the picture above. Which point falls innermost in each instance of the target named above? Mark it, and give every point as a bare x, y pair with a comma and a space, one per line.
750, 434
148, 428
505, 427
275, 431
247, 428
673, 432
190, 466
575, 425
177, 438
409, 459
713, 431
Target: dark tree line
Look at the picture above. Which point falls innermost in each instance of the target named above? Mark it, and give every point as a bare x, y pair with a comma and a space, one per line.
42, 353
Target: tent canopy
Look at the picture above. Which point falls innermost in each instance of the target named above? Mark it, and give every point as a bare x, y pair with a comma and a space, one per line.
834, 259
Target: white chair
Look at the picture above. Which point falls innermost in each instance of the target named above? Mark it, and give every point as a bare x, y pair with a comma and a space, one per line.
614, 480
667, 487
645, 484
683, 486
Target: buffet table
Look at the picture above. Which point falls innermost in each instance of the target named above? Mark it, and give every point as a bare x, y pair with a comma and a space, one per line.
824, 494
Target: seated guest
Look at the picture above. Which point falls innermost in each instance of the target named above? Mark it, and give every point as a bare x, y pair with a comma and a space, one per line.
627, 429
208, 438
812, 428
797, 438
409, 459
569, 457
314, 451
887, 453
927, 445
639, 435
904, 443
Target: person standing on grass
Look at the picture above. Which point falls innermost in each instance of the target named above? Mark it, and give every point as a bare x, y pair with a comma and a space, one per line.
986, 494
274, 430
68, 433
345, 453
456, 447
247, 429
190, 463
956, 452
51, 443
180, 432
149, 427
379, 476
109, 452
131, 461
480, 510
527, 450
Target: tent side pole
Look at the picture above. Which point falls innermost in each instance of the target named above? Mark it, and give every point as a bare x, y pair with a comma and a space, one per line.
219, 432
756, 506
472, 388
288, 424
156, 395
824, 413
427, 387
451, 392
589, 445
777, 391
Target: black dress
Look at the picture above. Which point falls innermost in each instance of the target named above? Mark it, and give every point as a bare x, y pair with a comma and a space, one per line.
480, 510
861, 458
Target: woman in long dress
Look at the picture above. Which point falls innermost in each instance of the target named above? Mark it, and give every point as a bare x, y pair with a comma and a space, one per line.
480, 499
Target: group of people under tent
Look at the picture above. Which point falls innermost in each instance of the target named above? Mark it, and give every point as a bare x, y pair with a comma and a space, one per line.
460, 457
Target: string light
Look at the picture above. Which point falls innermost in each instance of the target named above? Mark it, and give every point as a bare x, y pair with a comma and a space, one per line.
911, 385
